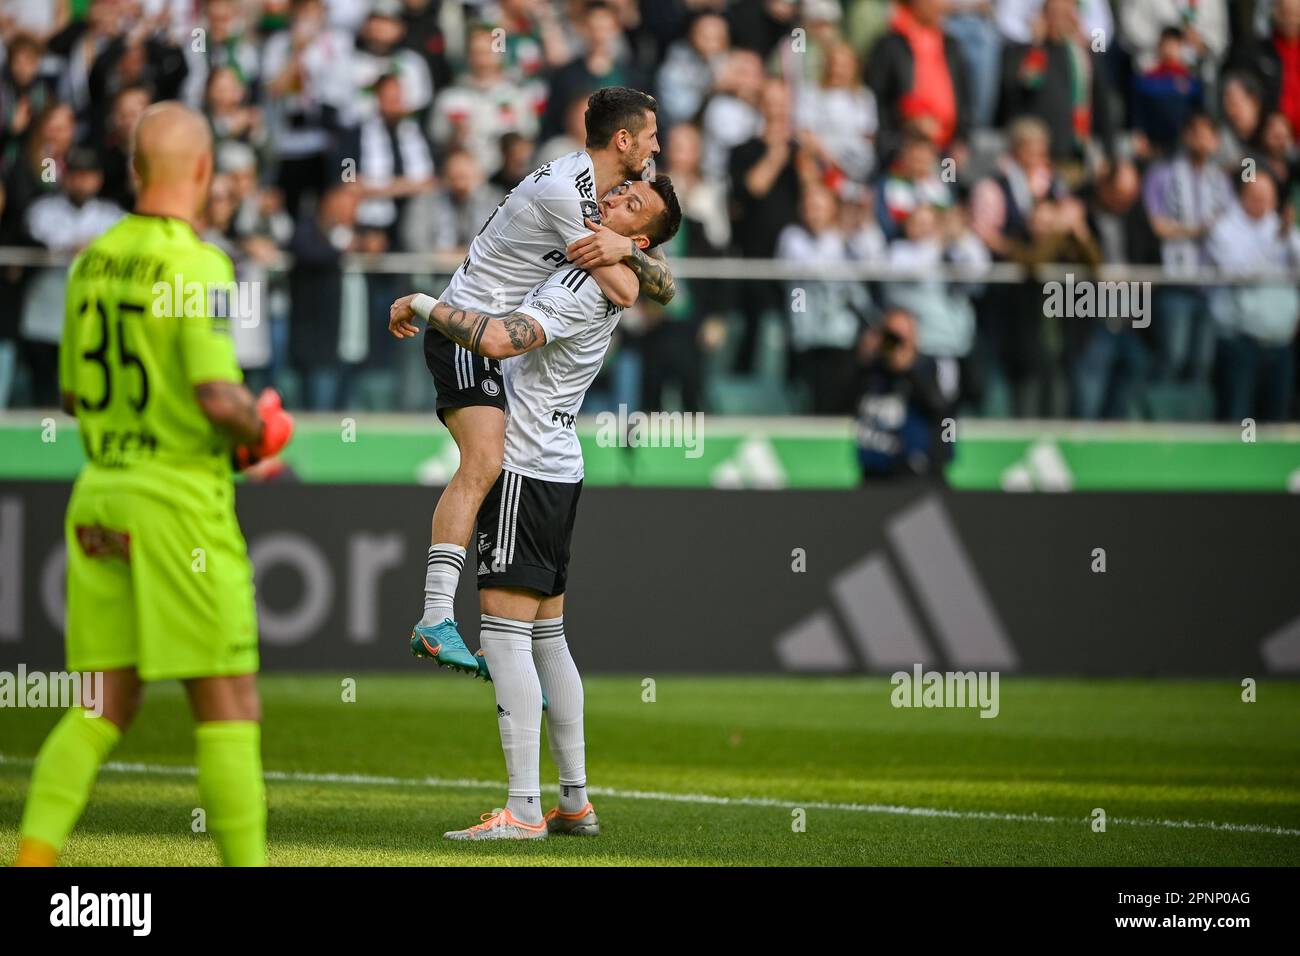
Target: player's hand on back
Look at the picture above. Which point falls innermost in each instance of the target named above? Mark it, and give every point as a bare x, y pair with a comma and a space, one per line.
402, 320
604, 247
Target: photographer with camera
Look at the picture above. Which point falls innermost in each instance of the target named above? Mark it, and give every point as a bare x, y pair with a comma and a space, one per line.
901, 408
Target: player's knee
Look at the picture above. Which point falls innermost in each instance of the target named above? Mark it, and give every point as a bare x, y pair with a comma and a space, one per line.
481, 468
121, 707
225, 698
244, 703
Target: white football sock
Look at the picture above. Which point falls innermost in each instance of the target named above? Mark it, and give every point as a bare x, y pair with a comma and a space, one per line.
509, 650
563, 686
440, 580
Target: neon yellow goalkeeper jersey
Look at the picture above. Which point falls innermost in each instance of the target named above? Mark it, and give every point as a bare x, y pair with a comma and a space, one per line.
145, 322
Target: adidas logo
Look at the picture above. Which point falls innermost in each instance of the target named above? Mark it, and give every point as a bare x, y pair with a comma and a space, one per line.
874, 607
482, 568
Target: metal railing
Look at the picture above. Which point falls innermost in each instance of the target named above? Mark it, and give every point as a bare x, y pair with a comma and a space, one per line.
737, 269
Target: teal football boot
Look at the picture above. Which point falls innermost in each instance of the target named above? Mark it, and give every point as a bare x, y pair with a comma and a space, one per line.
443, 643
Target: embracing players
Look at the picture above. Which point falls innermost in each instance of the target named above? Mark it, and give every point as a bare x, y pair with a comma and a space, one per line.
551, 349
550, 220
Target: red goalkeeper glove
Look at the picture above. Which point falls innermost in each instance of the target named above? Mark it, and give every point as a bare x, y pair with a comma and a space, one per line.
277, 429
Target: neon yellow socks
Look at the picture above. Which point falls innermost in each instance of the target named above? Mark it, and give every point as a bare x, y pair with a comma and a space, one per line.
65, 771
228, 753
229, 757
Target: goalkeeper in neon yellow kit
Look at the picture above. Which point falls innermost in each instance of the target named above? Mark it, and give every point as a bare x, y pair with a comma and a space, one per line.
159, 583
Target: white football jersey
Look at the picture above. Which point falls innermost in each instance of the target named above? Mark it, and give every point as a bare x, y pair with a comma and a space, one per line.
545, 387
523, 241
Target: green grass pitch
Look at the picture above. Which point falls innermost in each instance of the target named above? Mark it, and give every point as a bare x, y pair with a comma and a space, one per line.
377, 781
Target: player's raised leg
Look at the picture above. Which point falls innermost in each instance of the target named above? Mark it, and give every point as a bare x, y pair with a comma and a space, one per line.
479, 433
506, 636
69, 762
558, 675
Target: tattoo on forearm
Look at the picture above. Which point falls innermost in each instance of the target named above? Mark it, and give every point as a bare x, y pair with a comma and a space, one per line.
522, 331
466, 327
653, 274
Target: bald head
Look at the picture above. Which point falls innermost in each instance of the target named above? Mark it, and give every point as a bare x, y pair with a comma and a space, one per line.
172, 154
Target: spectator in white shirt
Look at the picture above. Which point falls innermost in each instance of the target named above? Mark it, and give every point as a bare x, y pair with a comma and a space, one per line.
1021, 21
691, 67
483, 105
732, 115
1256, 321
463, 204
841, 113
380, 53
1204, 24
309, 94
225, 43
932, 240
827, 317
66, 221
396, 162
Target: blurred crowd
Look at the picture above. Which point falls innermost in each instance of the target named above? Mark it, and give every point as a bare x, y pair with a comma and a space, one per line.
908, 136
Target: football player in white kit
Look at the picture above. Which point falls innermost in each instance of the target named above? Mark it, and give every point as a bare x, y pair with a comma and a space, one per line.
549, 221
551, 349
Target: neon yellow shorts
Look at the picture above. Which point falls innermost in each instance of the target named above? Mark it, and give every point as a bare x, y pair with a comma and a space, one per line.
159, 585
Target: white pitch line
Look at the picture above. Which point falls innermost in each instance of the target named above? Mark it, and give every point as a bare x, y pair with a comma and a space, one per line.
361, 779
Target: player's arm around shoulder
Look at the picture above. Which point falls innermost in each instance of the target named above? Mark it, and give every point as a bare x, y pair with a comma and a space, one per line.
614, 259
560, 205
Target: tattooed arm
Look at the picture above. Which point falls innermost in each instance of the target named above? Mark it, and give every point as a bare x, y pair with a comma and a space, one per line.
603, 250
652, 272
495, 337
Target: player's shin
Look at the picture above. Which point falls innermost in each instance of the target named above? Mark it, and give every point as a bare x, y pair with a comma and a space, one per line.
65, 771
442, 575
229, 758
508, 647
562, 685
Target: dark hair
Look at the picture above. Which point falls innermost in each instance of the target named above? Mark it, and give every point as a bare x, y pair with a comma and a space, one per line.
1195, 117
615, 108
1171, 33
1246, 80
664, 226
25, 41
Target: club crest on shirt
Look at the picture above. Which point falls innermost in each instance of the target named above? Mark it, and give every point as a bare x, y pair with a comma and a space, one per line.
491, 387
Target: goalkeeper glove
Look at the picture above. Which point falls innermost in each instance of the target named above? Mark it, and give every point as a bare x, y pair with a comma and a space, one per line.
277, 429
